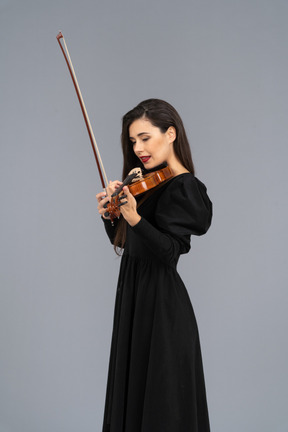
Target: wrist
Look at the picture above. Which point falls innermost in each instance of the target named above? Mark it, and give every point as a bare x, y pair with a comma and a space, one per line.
134, 220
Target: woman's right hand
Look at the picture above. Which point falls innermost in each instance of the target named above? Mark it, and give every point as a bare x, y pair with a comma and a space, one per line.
104, 197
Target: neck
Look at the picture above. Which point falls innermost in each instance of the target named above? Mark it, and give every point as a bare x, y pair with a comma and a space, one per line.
176, 166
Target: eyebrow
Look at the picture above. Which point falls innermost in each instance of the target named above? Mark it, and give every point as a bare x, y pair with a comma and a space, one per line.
140, 134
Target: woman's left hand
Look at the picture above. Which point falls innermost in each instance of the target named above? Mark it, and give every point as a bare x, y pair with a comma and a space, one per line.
129, 208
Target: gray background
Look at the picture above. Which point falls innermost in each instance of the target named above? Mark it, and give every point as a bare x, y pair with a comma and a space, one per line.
223, 65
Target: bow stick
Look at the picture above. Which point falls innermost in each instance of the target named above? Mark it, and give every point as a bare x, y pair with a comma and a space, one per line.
96, 152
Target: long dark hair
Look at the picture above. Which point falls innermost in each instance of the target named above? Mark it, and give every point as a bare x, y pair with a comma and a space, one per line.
162, 115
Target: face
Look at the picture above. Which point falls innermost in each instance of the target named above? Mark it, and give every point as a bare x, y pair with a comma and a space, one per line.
150, 145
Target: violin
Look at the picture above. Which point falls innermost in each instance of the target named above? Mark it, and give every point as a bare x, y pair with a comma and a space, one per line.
147, 182
138, 187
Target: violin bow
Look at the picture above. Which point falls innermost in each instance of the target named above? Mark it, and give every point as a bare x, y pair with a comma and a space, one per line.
96, 152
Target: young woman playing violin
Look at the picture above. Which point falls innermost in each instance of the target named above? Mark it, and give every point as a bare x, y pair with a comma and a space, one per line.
155, 381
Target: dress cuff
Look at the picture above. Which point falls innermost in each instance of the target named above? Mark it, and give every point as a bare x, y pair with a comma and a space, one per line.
142, 227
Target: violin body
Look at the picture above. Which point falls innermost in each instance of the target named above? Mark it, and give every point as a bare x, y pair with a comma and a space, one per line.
151, 180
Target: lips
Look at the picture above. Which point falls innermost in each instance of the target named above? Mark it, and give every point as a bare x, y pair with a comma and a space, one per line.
145, 159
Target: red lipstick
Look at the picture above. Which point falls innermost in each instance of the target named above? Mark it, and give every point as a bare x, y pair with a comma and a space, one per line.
145, 159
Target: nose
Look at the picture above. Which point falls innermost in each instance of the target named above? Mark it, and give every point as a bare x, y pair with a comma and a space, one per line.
138, 147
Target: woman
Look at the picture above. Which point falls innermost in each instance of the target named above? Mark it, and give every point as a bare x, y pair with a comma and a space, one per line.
155, 381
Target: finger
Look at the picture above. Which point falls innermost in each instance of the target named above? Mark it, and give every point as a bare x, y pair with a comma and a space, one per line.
117, 190
126, 190
105, 204
100, 196
122, 203
102, 203
122, 197
115, 183
103, 200
113, 186
104, 213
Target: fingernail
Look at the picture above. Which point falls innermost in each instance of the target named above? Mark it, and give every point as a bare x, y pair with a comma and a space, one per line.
122, 203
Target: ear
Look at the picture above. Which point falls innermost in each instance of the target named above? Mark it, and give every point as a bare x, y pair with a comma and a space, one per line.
171, 134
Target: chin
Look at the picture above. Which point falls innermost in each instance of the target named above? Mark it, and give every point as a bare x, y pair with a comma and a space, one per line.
150, 167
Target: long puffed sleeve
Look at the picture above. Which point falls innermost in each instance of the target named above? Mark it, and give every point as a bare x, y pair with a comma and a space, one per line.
183, 209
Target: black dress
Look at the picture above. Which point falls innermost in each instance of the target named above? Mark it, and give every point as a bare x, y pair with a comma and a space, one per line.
155, 381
